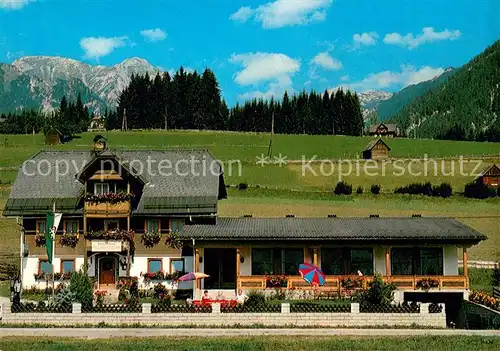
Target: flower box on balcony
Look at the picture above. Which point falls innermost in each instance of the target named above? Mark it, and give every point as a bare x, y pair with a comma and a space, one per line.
276, 281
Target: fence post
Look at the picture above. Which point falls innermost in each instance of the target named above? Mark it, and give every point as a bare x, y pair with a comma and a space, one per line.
146, 308
76, 308
424, 308
285, 307
216, 307
354, 307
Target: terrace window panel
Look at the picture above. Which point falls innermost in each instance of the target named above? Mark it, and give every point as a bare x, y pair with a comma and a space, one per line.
153, 225
176, 265
101, 188
362, 260
431, 261
332, 261
176, 225
41, 226
45, 267
72, 227
402, 261
291, 259
68, 266
262, 261
154, 266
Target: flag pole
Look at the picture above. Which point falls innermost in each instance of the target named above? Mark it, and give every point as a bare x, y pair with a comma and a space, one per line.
53, 251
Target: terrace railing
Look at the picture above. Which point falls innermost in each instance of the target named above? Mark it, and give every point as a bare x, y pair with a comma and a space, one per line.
342, 283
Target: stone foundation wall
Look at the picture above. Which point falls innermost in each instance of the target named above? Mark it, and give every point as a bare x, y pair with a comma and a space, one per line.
285, 318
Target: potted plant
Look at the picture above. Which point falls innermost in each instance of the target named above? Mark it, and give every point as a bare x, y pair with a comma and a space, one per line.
427, 283
99, 295
68, 239
153, 276
151, 238
276, 281
40, 239
112, 198
173, 240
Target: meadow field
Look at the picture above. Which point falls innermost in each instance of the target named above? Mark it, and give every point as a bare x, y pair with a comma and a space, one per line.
455, 343
281, 189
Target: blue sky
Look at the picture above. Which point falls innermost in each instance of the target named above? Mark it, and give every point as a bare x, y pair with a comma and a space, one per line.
260, 47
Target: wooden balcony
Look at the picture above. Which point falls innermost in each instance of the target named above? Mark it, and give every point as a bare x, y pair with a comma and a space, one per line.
333, 282
106, 209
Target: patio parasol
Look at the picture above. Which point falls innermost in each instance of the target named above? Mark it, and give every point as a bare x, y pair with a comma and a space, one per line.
312, 274
192, 276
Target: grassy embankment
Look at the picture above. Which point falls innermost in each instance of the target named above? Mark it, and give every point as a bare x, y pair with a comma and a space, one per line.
455, 343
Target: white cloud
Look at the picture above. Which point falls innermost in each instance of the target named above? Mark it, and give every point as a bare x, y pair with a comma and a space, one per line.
275, 89
408, 75
14, 4
428, 35
326, 61
345, 78
282, 13
242, 15
154, 34
96, 47
260, 67
274, 69
366, 38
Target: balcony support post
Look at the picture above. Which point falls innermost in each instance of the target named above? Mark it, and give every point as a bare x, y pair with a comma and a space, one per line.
387, 262
238, 257
85, 253
466, 269
315, 256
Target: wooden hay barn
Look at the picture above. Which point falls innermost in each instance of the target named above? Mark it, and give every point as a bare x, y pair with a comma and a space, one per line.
52, 137
376, 150
490, 176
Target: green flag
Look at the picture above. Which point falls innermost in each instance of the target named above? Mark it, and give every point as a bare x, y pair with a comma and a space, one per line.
53, 220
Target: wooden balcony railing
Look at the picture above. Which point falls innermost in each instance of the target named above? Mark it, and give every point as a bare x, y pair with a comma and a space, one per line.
106, 209
333, 282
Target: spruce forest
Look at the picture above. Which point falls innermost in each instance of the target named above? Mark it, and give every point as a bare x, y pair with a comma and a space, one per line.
192, 101
189, 100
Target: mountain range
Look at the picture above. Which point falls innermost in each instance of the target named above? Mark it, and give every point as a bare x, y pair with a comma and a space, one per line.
35, 82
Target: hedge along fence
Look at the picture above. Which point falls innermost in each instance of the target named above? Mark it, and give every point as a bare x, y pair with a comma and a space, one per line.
299, 307
286, 317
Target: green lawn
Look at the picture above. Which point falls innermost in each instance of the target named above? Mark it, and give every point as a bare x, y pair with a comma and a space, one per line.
455, 343
245, 146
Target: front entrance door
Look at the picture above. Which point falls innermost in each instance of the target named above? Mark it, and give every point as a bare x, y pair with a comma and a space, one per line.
220, 264
107, 267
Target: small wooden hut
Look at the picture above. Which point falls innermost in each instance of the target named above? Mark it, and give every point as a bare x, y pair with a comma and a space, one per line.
389, 130
490, 176
376, 150
53, 137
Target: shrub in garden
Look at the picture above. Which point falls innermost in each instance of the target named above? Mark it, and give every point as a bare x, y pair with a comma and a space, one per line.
255, 299
160, 291
134, 290
359, 190
342, 188
242, 186
64, 298
82, 287
378, 293
478, 191
415, 189
375, 189
443, 190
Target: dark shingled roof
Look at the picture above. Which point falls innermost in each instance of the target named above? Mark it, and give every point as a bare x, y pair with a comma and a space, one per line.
185, 191
391, 127
429, 229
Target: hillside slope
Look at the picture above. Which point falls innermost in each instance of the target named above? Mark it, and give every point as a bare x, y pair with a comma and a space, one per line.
389, 108
469, 100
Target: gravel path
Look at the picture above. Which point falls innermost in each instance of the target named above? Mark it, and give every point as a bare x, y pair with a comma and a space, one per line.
106, 333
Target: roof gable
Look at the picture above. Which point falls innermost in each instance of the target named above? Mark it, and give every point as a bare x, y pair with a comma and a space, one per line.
373, 143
